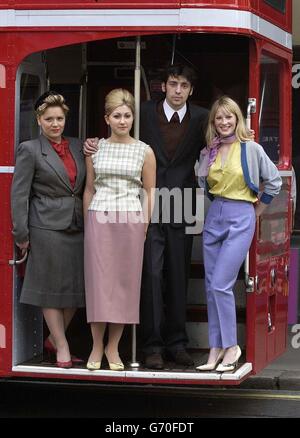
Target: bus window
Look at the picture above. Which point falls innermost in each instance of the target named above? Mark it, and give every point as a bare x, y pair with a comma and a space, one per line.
269, 115
29, 92
280, 5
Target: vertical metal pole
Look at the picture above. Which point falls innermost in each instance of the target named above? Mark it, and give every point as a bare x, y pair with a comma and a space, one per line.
137, 88
83, 93
262, 101
251, 108
173, 49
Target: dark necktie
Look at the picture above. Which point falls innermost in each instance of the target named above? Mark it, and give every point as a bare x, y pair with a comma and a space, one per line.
175, 118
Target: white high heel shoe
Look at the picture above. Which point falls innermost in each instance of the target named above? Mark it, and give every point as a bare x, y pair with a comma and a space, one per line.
213, 365
230, 366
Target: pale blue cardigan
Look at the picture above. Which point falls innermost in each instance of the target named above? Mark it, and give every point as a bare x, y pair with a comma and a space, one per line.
257, 168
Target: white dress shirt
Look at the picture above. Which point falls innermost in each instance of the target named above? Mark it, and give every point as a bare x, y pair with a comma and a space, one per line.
170, 111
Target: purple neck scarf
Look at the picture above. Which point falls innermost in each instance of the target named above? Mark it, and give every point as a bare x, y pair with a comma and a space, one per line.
208, 155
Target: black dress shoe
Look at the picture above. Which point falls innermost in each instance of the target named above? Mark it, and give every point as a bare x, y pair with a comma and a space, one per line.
154, 361
181, 357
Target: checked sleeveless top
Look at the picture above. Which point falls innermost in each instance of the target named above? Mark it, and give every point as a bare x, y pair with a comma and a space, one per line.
118, 169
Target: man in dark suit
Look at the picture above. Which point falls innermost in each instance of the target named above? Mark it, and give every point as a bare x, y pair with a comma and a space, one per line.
175, 131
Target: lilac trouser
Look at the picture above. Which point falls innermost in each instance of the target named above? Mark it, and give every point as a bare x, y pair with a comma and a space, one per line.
227, 236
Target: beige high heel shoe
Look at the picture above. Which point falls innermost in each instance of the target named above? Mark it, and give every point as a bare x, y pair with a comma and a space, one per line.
92, 366
115, 366
230, 366
213, 365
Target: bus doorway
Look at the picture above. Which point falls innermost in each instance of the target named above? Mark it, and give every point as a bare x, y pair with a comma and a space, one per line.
84, 73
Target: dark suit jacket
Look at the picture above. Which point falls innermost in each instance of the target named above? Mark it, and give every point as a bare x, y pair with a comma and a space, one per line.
42, 195
178, 172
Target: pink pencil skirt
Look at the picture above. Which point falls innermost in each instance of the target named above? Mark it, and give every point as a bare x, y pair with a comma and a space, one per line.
113, 261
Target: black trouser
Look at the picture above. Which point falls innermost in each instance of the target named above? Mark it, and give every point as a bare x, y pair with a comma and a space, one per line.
167, 257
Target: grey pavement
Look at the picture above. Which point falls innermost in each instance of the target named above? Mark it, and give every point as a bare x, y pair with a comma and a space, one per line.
284, 372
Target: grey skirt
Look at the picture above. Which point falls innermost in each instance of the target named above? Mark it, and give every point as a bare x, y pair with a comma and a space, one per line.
54, 275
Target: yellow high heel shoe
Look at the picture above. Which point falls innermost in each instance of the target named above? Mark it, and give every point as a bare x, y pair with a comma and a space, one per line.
115, 366
213, 365
93, 366
230, 366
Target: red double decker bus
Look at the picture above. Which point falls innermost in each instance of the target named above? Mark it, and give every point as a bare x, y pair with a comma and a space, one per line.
83, 49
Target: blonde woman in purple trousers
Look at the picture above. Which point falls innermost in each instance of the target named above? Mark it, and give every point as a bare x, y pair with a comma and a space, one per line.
234, 167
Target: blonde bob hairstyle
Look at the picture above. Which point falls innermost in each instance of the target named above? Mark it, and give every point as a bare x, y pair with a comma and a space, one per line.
52, 100
229, 106
116, 98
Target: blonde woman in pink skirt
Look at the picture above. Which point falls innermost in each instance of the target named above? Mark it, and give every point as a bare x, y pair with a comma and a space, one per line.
115, 228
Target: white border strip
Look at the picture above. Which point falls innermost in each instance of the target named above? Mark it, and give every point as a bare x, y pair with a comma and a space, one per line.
141, 375
7, 169
198, 17
285, 173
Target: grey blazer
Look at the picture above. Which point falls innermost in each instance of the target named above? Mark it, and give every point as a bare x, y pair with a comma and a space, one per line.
42, 195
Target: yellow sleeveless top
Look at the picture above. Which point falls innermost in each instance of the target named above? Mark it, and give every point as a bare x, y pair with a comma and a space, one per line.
228, 180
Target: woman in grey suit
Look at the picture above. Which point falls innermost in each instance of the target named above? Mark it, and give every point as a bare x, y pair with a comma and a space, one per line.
47, 216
